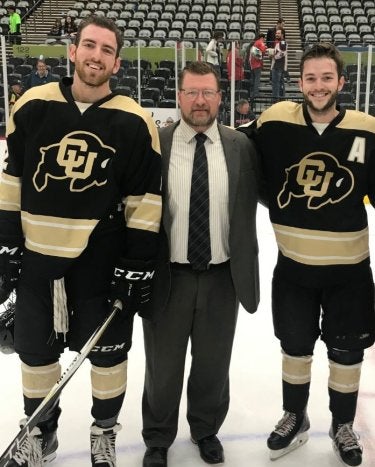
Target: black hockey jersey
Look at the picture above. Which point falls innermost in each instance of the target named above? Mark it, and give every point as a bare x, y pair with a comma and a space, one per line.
66, 171
316, 184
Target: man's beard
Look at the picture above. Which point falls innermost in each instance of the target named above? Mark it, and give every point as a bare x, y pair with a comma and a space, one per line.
198, 121
330, 103
91, 79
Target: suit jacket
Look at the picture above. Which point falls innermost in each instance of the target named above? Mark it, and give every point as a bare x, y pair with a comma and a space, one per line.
241, 160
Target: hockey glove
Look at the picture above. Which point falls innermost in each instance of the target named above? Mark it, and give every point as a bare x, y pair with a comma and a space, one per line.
10, 264
132, 284
7, 329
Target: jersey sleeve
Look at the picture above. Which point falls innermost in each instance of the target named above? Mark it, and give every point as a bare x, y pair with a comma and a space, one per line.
142, 198
10, 184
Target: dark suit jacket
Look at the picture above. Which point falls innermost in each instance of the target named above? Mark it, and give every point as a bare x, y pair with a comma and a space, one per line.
241, 162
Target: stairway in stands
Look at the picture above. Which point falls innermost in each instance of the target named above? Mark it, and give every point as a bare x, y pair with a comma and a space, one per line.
37, 26
270, 12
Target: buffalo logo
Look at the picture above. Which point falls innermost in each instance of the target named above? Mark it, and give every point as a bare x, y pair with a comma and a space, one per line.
80, 157
320, 178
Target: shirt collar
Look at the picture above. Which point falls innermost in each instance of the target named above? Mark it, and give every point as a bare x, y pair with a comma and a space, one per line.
188, 133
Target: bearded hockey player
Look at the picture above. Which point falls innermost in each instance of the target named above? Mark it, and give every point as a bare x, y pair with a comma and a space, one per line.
319, 163
80, 199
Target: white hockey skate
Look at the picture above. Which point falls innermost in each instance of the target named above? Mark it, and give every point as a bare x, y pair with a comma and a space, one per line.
290, 433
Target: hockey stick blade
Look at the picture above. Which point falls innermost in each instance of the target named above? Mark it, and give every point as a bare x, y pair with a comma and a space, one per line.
55, 392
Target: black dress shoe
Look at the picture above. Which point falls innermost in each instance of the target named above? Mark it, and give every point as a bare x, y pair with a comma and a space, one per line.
210, 449
155, 457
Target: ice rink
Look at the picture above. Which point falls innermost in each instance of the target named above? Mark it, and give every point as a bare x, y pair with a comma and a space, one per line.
255, 397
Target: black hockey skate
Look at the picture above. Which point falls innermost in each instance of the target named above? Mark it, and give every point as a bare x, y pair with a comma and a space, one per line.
40, 447
289, 434
103, 452
345, 443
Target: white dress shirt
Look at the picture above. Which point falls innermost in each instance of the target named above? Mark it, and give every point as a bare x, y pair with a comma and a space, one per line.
179, 183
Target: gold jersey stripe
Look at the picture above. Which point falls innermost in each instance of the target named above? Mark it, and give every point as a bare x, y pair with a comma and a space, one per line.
56, 236
129, 105
319, 248
143, 212
10, 192
50, 92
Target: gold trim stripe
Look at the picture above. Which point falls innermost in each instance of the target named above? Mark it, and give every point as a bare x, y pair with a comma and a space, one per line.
315, 247
56, 236
38, 381
143, 212
108, 383
129, 105
296, 370
344, 378
10, 192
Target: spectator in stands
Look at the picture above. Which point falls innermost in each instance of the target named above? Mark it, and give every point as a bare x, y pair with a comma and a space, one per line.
271, 36
69, 29
56, 29
16, 91
14, 26
279, 66
213, 51
271, 33
243, 113
239, 73
168, 121
40, 76
257, 52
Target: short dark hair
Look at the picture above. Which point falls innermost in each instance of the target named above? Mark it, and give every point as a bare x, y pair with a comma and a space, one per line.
198, 68
323, 50
218, 35
101, 22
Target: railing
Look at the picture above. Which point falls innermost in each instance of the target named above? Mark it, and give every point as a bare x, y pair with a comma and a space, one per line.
360, 75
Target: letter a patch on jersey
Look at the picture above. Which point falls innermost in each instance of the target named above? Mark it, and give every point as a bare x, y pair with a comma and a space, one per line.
357, 152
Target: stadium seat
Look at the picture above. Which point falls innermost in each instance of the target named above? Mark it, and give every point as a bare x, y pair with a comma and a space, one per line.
167, 103
151, 93
157, 82
147, 103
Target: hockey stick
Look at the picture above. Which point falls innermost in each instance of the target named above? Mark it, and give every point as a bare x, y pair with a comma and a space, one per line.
54, 393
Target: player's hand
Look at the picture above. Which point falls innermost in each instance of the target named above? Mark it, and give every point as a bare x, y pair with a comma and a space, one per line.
132, 284
10, 266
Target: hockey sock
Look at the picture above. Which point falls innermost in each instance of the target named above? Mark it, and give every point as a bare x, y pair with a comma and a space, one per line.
343, 385
108, 391
37, 381
296, 382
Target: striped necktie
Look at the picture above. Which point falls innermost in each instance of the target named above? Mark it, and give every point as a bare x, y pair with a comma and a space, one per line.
199, 244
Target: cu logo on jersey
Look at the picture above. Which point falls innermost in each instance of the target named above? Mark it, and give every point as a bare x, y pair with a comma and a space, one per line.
318, 177
80, 157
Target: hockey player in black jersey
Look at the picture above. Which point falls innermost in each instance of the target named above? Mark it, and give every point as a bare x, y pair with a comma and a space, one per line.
319, 163
80, 210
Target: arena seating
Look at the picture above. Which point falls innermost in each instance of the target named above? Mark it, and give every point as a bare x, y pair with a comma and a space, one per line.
343, 22
160, 23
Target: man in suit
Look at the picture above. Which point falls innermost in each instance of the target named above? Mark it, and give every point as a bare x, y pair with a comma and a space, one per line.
199, 300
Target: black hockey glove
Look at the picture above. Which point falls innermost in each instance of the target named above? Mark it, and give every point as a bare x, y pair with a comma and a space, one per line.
10, 264
7, 329
132, 284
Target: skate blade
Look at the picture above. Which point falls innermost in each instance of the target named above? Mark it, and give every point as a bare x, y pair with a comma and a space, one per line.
298, 441
49, 458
